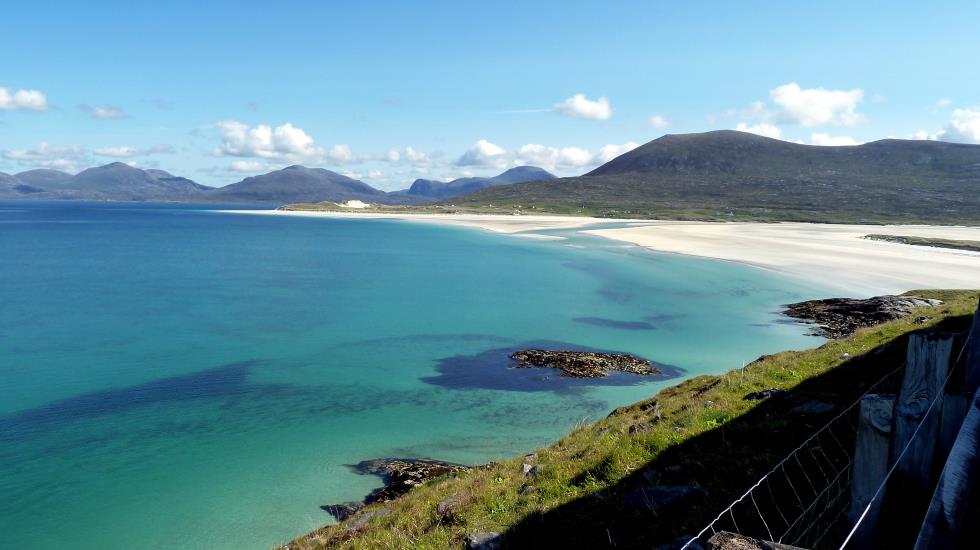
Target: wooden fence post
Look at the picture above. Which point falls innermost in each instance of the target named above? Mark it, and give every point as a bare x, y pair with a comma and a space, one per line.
909, 488
971, 379
870, 463
946, 525
926, 368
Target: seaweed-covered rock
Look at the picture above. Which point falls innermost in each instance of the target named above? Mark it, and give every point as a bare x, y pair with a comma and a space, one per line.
583, 364
401, 475
840, 317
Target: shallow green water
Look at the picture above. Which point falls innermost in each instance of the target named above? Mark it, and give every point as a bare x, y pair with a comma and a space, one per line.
174, 377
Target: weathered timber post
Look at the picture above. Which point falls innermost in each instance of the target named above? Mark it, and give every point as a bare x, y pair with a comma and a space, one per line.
957, 494
909, 488
947, 524
870, 463
955, 406
926, 368
971, 379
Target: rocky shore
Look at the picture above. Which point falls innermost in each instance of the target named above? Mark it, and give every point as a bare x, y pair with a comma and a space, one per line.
839, 317
400, 476
583, 364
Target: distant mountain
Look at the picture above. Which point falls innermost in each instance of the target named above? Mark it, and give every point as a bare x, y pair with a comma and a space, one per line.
298, 184
44, 178
728, 174
433, 189
121, 181
115, 181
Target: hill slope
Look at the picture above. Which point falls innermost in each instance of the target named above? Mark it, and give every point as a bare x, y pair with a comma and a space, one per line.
728, 174
298, 184
434, 189
44, 178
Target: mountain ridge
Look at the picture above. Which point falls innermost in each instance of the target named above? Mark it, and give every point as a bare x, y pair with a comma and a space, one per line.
727, 174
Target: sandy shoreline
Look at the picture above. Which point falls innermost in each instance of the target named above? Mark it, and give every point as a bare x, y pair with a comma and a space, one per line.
830, 256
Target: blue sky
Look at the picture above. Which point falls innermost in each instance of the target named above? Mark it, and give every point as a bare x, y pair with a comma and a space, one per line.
388, 92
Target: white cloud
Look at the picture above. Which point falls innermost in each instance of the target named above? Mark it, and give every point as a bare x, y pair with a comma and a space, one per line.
104, 112
484, 153
924, 135
417, 157
762, 129
248, 166
375, 174
609, 152
964, 127
340, 153
579, 106
552, 158
943, 102
60, 157
22, 100
658, 122
827, 139
817, 106
285, 143
127, 152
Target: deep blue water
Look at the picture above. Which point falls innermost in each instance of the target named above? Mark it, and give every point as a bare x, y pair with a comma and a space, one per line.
172, 376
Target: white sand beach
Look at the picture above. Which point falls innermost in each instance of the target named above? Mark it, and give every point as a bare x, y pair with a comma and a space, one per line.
498, 223
831, 256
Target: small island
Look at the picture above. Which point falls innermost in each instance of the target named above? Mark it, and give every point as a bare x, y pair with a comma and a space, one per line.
583, 364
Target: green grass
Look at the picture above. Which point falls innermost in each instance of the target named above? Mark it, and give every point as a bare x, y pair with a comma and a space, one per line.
956, 244
702, 432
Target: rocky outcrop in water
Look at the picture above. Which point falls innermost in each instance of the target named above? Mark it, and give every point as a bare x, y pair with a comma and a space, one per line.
840, 317
583, 364
400, 476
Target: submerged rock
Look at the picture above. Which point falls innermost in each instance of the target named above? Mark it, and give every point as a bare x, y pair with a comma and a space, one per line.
840, 317
583, 364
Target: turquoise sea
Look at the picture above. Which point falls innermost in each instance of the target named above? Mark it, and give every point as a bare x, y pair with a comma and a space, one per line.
177, 377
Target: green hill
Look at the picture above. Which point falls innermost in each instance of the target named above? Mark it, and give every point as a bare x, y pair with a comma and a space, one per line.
735, 175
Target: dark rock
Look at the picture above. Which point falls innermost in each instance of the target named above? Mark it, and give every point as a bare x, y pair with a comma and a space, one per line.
583, 364
813, 407
526, 468
531, 458
344, 510
526, 490
534, 471
362, 519
764, 394
449, 509
922, 320
653, 497
482, 541
639, 428
840, 317
401, 475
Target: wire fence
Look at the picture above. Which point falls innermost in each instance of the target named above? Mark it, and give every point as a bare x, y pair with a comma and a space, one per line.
804, 499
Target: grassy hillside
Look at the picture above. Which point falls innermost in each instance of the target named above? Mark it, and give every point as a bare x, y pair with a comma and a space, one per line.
727, 175
701, 431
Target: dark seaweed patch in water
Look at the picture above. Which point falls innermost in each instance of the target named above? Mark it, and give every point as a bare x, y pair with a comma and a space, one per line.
613, 323
225, 380
489, 370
